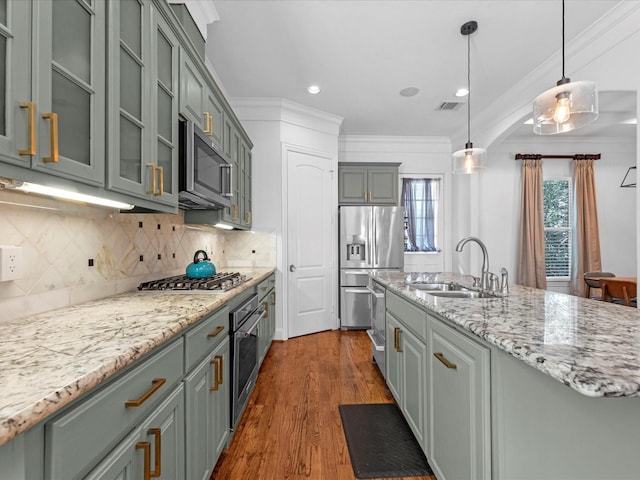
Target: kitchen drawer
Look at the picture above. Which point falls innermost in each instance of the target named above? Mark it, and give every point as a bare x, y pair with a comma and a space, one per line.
85, 433
411, 316
205, 336
265, 286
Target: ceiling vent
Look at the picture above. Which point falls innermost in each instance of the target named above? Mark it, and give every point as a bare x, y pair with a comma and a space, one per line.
448, 106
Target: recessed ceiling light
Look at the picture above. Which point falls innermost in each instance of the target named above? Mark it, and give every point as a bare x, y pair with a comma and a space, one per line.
409, 91
313, 89
462, 92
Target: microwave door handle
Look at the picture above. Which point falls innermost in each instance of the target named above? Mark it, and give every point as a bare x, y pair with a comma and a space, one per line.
227, 191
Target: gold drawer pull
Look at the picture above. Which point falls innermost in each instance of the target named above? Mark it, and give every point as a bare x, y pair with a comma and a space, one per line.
207, 123
31, 110
53, 137
235, 211
266, 309
156, 383
157, 467
444, 361
216, 332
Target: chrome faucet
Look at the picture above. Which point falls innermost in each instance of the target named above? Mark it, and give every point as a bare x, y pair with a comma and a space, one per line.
484, 279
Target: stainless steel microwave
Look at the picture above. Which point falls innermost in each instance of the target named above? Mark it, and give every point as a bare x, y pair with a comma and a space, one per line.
205, 175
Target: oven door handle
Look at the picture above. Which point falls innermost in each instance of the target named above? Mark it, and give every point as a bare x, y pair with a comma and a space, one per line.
375, 292
255, 324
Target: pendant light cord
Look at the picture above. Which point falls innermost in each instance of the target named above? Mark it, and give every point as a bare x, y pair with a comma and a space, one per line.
469, 88
563, 77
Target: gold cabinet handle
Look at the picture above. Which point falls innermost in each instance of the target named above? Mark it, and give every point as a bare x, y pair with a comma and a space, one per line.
273, 298
217, 372
156, 383
365, 197
152, 166
444, 361
266, 309
235, 211
210, 118
207, 123
160, 192
216, 332
146, 447
53, 137
157, 467
370, 197
396, 339
31, 123
247, 217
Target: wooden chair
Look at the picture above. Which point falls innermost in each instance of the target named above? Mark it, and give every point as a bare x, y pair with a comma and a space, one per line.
594, 282
624, 291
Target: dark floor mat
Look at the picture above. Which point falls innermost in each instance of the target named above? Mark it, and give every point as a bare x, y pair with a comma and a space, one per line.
381, 443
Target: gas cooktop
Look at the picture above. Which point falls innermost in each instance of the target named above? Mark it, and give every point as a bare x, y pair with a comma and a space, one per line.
219, 283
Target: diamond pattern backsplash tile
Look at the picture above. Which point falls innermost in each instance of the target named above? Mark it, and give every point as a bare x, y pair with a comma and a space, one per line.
60, 240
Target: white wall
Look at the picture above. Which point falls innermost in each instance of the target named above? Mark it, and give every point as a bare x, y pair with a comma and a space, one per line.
417, 156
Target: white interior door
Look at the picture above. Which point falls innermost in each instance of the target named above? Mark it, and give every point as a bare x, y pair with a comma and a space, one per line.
311, 243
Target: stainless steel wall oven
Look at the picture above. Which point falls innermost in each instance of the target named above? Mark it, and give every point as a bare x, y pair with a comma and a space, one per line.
244, 322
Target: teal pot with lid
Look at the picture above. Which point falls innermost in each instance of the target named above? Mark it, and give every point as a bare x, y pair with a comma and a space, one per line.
201, 266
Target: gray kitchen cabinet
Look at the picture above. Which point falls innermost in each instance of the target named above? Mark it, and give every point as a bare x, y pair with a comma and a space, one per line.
372, 184
198, 102
143, 92
406, 359
266, 327
208, 394
459, 404
54, 88
71, 444
154, 450
246, 184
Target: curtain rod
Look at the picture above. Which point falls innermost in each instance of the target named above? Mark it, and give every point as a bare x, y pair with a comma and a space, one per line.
577, 156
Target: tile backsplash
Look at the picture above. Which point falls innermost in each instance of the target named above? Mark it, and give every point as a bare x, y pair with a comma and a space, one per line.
73, 253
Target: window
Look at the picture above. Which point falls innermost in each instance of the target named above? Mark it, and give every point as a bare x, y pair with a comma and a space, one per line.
420, 198
557, 227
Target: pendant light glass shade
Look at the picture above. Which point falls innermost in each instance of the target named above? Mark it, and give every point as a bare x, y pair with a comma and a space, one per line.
567, 106
564, 108
469, 159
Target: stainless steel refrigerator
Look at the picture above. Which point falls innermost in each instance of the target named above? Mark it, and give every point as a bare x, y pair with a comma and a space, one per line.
371, 238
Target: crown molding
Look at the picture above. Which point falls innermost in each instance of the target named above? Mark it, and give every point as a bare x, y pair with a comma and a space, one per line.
203, 13
282, 110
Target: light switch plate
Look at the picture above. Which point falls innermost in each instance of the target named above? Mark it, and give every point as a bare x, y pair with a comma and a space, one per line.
10, 263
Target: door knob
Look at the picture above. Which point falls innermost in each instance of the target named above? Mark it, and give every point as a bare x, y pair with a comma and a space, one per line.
292, 268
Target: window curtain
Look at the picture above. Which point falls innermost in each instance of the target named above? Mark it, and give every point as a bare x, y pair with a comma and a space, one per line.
420, 197
531, 253
586, 237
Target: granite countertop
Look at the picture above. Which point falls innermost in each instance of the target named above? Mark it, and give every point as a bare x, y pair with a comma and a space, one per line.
50, 359
589, 345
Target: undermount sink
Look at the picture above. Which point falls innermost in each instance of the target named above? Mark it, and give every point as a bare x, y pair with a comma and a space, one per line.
449, 290
460, 294
443, 287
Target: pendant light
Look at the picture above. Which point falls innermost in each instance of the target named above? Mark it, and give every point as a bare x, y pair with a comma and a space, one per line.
469, 159
567, 106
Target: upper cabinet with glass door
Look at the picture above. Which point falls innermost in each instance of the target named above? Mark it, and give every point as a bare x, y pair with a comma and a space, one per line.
53, 86
143, 103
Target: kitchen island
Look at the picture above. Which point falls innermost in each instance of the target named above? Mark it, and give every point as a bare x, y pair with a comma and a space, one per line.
50, 360
561, 376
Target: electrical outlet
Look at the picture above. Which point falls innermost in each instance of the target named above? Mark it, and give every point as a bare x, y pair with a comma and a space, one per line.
10, 263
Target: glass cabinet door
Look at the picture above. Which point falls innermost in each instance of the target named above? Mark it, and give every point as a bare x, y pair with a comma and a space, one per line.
69, 72
17, 116
166, 67
128, 67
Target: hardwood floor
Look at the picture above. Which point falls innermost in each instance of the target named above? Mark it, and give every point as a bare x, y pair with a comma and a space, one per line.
291, 428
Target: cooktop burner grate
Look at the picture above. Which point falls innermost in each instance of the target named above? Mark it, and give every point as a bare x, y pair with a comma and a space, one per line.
221, 282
